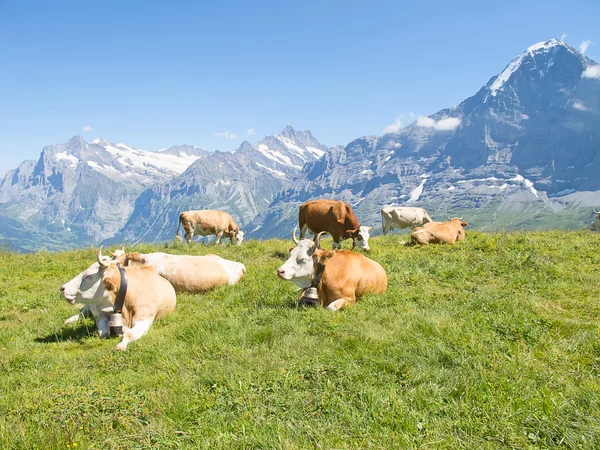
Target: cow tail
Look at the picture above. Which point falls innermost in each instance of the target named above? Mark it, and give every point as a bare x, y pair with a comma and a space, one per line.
177, 230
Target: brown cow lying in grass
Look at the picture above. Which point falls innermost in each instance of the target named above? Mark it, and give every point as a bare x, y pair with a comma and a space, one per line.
440, 232
346, 275
149, 296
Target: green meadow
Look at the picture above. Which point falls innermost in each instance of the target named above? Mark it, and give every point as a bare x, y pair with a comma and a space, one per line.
488, 344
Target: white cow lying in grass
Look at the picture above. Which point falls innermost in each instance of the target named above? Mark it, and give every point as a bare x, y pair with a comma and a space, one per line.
149, 296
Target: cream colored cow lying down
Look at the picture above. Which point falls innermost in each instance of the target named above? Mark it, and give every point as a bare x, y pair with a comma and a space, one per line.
149, 296
187, 273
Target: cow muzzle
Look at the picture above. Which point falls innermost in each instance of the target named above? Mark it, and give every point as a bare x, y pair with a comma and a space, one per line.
68, 298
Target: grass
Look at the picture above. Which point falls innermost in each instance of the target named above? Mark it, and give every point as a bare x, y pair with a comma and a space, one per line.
491, 343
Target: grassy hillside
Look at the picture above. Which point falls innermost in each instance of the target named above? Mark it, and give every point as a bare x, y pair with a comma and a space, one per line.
492, 343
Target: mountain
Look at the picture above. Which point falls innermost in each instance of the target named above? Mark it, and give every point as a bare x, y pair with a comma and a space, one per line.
243, 183
286, 153
524, 151
78, 193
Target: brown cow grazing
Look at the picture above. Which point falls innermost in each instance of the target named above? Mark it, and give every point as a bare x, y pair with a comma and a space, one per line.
148, 296
208, 222
345, 275
440, 232
187, 273
336, 218
596, 222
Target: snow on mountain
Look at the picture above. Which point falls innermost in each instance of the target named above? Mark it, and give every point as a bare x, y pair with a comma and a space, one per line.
284, 153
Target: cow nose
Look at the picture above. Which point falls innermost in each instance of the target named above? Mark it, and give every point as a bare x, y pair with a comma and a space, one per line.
62, 289
280, 272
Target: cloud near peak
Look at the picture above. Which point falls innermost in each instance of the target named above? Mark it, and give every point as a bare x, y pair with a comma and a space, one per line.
584, 46
394, 127
87, 128
592, 72
445, 124
227, 135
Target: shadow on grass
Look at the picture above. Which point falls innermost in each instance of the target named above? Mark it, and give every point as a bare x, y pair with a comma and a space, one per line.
70, 333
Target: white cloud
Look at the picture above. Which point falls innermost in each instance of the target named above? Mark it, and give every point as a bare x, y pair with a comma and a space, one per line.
445, 124
563, 37
87, 128
592, 72
227, 135
579, 105
584, 46
251, 132
394, 127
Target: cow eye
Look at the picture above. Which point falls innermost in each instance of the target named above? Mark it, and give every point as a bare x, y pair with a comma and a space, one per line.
359, 237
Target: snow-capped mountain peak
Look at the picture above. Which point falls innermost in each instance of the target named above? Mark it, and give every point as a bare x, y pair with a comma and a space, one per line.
544, 50
284, 154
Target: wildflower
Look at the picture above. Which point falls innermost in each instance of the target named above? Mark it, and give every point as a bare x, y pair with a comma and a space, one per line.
81, 427
74, 444
12, 339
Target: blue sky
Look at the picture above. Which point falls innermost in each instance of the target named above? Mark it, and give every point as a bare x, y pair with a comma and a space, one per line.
156, 74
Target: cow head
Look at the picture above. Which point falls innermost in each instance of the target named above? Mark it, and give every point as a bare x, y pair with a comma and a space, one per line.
360, 237
459, 220
596, 222
299, 267
237, 237
88, 287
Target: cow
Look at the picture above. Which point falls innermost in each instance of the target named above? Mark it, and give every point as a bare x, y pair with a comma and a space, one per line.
596, 222
336, 218
403, 217
192, 274
345, 275
148, 296
440, 232
208, 222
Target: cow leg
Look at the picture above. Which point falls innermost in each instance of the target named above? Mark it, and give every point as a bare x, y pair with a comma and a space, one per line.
303, 231
102, 324
337, 304
139, 329
84, 313
219, 236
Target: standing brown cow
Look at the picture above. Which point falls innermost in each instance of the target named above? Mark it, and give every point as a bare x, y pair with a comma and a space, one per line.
336, 218
208, 222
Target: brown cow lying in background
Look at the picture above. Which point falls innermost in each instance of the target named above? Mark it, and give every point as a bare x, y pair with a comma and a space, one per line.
440, 232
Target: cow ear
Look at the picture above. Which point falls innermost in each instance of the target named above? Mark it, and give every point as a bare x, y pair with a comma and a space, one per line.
350, 233
464, 224
316, 256
290, 250
110, 279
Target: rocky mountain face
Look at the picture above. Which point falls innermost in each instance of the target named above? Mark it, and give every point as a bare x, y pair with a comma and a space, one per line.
243, 183
81, 193
524, 151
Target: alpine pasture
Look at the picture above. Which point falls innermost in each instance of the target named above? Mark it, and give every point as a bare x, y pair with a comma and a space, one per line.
491, 343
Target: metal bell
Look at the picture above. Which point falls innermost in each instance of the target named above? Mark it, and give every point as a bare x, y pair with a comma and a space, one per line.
310, 297
116, 324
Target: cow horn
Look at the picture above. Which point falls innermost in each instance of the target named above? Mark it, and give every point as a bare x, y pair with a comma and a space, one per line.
294, 238
318, 239
596, 212
101, 258
372, 227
